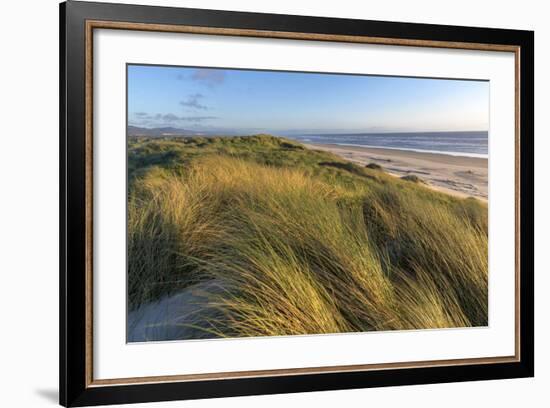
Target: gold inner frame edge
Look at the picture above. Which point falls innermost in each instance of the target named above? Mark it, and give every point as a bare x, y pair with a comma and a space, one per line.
100, 24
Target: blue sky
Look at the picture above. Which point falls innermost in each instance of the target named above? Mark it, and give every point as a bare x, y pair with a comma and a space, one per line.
251, 101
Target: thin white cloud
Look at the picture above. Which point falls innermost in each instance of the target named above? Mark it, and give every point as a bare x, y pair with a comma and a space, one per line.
210, 77
192, 102
158, 120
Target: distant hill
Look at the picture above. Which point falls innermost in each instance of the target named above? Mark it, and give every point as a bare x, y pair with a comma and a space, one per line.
171, 131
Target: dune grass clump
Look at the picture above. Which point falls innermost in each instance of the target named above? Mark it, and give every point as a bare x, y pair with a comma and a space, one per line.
413, 178
302, 247
170, 220
374, 166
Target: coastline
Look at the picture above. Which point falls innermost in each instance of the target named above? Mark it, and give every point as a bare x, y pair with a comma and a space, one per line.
461, 176
456, 154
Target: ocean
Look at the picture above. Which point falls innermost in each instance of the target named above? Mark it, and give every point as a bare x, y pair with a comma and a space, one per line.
470, 144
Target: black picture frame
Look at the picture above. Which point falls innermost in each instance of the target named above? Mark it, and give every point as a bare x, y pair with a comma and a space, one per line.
75, 389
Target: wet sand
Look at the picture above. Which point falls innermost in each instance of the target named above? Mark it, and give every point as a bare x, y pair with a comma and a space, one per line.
457, 175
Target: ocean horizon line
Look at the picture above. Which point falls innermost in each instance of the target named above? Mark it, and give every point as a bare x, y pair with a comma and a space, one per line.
400, 132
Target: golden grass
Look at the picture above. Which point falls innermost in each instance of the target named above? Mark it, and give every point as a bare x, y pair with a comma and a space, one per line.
295, 254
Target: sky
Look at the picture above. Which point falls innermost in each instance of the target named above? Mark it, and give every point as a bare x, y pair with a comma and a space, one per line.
253, 101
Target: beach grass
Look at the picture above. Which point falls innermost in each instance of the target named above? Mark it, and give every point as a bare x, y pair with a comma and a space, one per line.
299, 241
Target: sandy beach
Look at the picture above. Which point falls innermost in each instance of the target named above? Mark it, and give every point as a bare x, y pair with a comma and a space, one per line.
457, 175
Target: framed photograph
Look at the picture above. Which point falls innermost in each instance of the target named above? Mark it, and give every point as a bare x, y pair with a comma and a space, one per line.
256, 203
